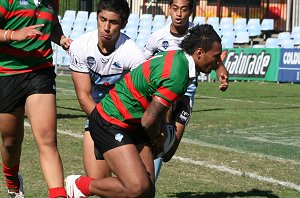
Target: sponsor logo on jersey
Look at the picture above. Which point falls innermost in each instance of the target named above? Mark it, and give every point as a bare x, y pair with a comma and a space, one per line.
184, 116
37, 2
177, 42
119, 137
104, 60
117, 66
165, 44
90, 61
24, 2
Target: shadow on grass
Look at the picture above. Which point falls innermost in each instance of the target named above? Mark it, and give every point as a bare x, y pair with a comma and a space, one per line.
253, 192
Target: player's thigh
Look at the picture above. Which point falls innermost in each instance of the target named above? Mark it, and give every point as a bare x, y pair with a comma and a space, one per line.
94, 168
128, 165
118, 147
41, 105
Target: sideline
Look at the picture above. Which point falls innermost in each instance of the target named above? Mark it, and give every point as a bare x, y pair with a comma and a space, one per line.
207, 165
238, 172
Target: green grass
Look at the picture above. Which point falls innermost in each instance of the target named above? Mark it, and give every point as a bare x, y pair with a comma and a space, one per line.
252, 128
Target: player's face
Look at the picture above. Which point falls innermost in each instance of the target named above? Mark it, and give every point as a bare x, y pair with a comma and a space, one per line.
109, 26
180, 12
207, 61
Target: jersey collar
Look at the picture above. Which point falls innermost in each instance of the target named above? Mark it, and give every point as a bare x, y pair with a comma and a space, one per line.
192, 66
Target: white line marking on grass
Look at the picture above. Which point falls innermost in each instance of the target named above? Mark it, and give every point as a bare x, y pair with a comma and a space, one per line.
70, 133
238, 172
250, 101
271, 157
208, 165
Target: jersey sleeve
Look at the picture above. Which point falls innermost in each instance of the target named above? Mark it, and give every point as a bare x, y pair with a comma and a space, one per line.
135, 58
76, 54
150, 46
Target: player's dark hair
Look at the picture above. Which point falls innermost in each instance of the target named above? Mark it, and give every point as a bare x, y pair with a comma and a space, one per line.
118, 6
199, 36
191, 4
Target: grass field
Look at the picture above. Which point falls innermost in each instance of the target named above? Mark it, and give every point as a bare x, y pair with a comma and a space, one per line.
244, 142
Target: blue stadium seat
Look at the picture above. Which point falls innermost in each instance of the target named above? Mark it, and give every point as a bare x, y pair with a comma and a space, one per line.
226, 23
258, 46
214, 21
288, 43
227, 43
295, 31
75, 34
199, 20
283, 36
272, 43
242, 38
240, 25
267, 24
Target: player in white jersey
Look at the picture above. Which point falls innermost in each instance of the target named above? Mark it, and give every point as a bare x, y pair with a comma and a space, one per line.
98, 60
169, 38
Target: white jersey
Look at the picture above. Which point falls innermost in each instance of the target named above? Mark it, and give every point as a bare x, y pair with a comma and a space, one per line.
104, 70
163, 40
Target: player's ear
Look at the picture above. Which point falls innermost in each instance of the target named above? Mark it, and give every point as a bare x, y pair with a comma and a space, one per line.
199, 52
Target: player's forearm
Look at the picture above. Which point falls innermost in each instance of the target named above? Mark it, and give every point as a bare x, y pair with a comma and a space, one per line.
56, 34
87, 104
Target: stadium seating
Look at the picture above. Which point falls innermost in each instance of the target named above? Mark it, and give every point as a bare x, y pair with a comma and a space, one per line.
271, 43
141, 40
242, 38
69, 15
240, 25
132, 33
226, 24
296, 37
199, 20
253, 27
258, 46
227, 43
158, 22
295, 31
92, 16
267, 26
283, 37
214, 21
288, 43
228, 35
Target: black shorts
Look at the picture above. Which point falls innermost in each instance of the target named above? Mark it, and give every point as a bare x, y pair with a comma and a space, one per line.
182, 110
15, 89
107, 136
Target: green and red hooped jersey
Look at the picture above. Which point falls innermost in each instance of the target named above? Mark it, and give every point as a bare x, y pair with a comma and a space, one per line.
32, 54
165, 75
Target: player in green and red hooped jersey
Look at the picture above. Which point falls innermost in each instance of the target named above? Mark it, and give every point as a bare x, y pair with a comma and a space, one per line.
127, 123
27, 83
169, 38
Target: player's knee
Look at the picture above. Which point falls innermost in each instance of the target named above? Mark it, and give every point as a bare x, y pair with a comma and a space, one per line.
140, 189
11, 147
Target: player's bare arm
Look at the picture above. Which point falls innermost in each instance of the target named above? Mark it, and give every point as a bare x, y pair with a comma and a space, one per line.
83, 88
152, 117
59, 38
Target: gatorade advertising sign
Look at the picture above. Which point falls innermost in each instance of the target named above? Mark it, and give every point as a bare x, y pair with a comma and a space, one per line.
251, 63
289, 68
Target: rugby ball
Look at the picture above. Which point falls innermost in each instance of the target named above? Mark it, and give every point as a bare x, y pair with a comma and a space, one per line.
170, 130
